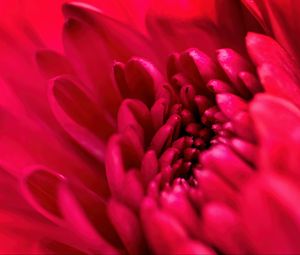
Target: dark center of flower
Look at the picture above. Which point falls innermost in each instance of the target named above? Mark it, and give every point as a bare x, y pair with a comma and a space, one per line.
170, 128
195, 121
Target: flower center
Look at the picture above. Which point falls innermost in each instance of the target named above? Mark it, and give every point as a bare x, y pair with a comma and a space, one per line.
173, 126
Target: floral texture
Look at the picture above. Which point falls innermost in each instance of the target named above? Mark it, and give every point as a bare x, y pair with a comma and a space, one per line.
149, 127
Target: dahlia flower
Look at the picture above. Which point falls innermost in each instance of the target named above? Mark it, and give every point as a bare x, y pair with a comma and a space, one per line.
150, 127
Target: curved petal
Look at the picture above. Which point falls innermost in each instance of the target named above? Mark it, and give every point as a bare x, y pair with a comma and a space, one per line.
128, 226
53, 64
279, 19
279, 144
92, 223
79, 115
275, 213
278, 71
40, 188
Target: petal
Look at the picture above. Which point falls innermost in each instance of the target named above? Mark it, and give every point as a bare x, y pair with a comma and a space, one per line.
79, 116
40, 187
231, 105
92, 223
149, 166
53, 64
118, 39
176, 203
283, 85
233, 64
214, 188
223, 161
144, 80
91, 61
128, 226
275, 213
273, 61
279, 20
133, 190
171, 35
135, 113
47, 246
42, 19
121, 156
162, 230
279, 144
130, 12
226, 234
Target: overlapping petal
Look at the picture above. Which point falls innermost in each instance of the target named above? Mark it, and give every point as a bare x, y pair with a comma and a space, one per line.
105, 152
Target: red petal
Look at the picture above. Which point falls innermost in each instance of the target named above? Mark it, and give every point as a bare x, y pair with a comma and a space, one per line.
231, 105
273, 61
128, 226
92, 223
164, 233
279, 19
227, 164
78, 115
121, 156
224, 222
53, 64
41, 189
92, 62
271, 201
279, 144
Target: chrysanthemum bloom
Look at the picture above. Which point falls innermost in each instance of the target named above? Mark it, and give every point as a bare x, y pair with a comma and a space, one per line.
159, 128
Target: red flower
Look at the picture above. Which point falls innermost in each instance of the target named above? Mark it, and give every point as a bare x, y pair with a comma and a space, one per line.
158, 127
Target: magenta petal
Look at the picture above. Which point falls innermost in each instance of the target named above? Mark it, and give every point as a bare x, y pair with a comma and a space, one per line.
234, 63
119, 40
231, 105
243, 126
149, 166
172, 34
47, 246
225, 223
214, 188
162, 138
254, 9
275, 213
192, 247
133, 190
135, 114
121, 156
279, 83
279, 20
279, 144
53, 64
93, 67
199, 67
227, 164
41, 188
219, 86
164, 233
246, 150
93, 226
128, 226
144, 80
265, 50
177, 204
159, 112
77, 113
250, 82
115, 166
273, 61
